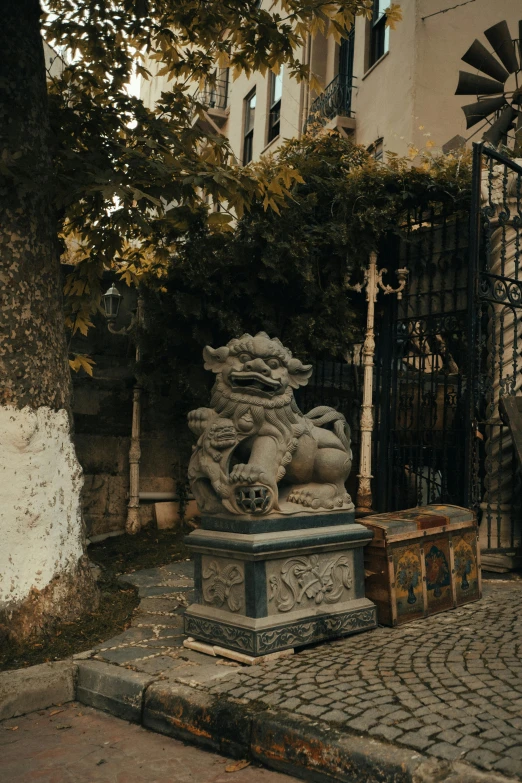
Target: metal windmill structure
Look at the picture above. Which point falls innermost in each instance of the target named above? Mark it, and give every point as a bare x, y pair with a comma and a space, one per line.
499, 92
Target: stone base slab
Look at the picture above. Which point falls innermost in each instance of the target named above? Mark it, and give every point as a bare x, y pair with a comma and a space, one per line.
260, 637
249, 660
276, 523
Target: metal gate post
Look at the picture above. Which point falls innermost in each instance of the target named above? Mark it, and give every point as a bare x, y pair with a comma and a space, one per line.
471, 498
501, 527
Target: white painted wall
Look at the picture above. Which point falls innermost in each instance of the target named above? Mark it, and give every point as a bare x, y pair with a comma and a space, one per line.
40, 482
383, 97
440, 43
406, 98
53, 61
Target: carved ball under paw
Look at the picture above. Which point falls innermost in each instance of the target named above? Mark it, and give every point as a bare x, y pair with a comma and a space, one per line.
253, 500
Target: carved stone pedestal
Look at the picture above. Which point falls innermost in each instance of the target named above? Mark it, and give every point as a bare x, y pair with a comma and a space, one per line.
266, 584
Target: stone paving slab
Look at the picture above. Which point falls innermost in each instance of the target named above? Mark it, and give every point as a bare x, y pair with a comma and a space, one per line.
77, 744
446, 689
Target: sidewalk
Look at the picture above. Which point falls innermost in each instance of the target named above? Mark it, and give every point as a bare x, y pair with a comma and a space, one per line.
432, 700
76, 744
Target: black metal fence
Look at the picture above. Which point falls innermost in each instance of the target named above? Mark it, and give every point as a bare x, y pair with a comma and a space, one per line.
495, 338
421, 426
338, 383
447, 354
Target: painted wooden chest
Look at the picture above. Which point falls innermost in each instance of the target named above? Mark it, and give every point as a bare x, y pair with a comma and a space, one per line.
421, 561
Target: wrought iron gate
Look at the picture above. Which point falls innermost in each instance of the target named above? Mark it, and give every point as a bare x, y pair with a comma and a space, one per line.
495, 338
453, 352
421, 427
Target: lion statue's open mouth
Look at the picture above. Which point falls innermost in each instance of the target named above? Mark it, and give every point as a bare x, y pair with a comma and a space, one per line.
255, 382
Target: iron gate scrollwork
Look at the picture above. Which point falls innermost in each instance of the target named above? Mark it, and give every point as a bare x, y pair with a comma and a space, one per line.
495, 336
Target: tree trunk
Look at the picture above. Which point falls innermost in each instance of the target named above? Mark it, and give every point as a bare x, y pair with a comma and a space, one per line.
44, 574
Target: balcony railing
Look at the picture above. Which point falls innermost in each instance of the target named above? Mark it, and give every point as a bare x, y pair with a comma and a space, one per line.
335, 101
215, 96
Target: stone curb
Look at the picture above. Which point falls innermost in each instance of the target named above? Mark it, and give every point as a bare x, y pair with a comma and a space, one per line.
301, 747
36, 688
112, 688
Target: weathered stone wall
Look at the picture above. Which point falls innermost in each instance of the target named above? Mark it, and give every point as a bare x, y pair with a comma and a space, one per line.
102, 409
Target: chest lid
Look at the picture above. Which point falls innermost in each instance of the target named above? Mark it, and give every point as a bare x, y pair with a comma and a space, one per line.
416, 520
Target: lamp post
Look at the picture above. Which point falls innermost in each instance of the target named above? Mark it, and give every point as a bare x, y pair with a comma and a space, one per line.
372, 282
111, 304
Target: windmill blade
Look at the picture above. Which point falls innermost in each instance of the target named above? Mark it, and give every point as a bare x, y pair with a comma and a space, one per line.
479, 57
473, 84
500, 39
475, 112
501, 126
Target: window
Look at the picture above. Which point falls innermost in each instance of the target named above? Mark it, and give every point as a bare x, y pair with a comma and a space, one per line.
376, 149
250, 114
379, 33
274, 114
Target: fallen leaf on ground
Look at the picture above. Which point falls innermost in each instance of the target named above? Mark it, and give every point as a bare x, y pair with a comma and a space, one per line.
11, 728
237, 765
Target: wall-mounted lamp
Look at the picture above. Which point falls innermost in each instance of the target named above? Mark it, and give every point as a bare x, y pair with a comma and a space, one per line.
111, 303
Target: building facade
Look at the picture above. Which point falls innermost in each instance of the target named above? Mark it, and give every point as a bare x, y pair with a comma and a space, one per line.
387, 89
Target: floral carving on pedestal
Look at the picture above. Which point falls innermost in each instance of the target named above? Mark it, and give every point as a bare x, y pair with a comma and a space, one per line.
297, 634
305, 579
219, 585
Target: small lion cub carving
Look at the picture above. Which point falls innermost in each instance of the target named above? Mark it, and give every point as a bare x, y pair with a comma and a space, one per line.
256, 452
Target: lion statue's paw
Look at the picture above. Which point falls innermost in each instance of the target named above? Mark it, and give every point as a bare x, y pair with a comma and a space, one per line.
199, 419
317, 496
249, 474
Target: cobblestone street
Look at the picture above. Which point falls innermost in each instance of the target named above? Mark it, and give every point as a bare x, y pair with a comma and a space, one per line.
448, 687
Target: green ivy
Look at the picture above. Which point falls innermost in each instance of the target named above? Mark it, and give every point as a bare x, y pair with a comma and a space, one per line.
285, 273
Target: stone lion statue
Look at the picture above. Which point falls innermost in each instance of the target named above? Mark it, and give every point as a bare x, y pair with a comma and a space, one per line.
256, 452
